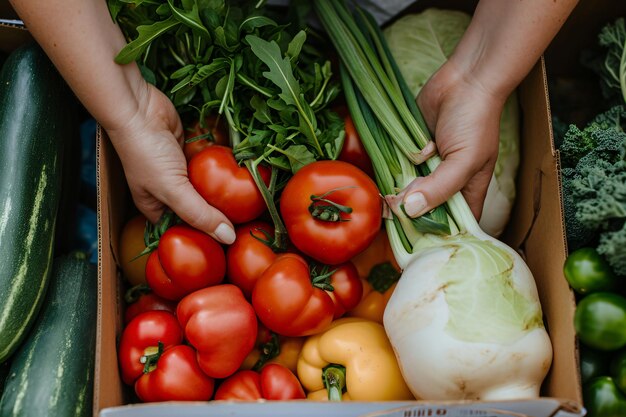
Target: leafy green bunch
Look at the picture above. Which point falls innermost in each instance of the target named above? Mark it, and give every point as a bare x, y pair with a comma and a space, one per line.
237, 59
594, 186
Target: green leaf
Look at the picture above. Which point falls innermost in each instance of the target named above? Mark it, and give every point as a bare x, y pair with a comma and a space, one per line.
261, 110
295, 46
147, 74
182, 83
259, 136
280, 72
207, 70
181, 72
277, 104
298, 156
147, 34
189, 18
280, 162
163, 10
254, 22
115, 6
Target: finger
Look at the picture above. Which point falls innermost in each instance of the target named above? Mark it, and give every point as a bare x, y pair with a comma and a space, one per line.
475, 190
185, 201
149, 206
452, 175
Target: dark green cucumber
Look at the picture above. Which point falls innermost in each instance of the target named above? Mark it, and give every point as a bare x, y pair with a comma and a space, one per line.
52, 372
35, 121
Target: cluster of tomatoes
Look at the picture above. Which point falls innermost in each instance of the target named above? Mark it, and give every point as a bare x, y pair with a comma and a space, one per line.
235, 316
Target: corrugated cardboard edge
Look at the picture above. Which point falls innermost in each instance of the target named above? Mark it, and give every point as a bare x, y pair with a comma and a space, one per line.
13, 35
538, 209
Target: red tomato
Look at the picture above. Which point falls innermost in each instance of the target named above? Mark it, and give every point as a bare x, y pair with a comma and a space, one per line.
218, 129
342, 235
221, 325
227, 186
274, 382
248, 257
347, 288
176, 377
148, 302
353, 150
190, 260
287, 302
142, 336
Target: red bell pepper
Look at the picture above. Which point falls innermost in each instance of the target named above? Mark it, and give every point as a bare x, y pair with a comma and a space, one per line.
221, 325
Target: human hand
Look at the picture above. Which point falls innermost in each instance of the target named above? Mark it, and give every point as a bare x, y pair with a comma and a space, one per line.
464, 117
150, 148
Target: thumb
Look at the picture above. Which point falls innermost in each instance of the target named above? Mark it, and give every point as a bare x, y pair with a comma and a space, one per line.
452, 175
185, 201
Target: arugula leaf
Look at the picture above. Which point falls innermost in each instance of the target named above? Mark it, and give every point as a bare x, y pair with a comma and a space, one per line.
261, 110
295, 46
254, 22
181, 72
298, 156
189, 18
206, 71
147, 34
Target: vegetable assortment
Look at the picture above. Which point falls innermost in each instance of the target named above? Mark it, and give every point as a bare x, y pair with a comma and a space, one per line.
301, 177
593, 181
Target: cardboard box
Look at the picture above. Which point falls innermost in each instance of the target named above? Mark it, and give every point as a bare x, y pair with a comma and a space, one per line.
536, 230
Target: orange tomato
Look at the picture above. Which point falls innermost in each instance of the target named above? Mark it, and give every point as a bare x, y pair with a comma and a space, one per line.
131, 245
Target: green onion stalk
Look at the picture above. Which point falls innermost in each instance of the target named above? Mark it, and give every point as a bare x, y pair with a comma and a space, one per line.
466, 307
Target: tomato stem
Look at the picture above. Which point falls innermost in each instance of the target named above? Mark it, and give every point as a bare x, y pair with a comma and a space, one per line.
280, 232
134, 293
269, 350
323, 209
151, 357
321, 279
334, 378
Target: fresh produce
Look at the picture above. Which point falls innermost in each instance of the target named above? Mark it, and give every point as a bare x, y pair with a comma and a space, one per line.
227, 186
140, 299
586, 271
355, 356
220, 324
142, 337
306, 310
249, 255
53, 371
420, 44
603, 398
600, 320
612, 71
332, 211
214, 132
132, 244
174, 375
377, 290
466, 303
347, 288
593, 363
272, 348
594, 177
353, 150
34, 123
186, 260
273, 382
618, 370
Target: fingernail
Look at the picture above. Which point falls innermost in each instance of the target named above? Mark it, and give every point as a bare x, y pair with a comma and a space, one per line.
415, 204
225, 233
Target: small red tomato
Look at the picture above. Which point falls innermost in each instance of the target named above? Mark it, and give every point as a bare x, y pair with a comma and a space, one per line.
347, 288
274, 382
225, 185
218, 129
142, 336
148, 302
247, 258
332, 211
175, 377
287, 302
353, 150
190, 260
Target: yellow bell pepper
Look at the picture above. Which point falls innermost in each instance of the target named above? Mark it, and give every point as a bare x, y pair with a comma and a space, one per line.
379, 273
355, 356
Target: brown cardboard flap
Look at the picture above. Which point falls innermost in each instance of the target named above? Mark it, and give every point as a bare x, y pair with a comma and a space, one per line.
537, 230
12, 36
111, 204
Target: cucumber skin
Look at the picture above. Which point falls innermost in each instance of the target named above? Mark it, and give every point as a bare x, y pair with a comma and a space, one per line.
35, 121
53, 371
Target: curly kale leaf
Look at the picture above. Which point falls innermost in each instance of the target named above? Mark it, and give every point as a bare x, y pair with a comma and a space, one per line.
613, 70
613, 246
578, 235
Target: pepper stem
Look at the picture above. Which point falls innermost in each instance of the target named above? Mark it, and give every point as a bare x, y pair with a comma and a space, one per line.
334, 378
150, 357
